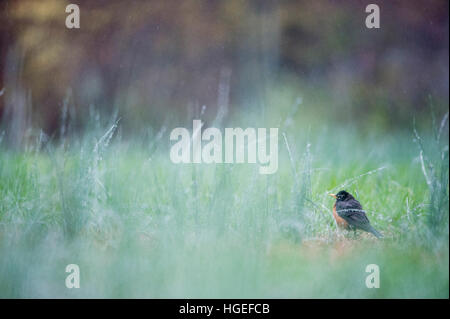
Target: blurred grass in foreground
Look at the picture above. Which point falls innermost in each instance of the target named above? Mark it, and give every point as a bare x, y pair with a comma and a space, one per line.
141, 226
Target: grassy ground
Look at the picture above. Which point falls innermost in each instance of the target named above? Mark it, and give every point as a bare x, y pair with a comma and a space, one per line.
141, 226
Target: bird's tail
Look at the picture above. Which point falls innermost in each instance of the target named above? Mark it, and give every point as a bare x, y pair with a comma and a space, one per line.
375, 232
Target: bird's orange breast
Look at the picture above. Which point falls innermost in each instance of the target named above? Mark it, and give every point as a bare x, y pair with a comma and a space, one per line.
339, 220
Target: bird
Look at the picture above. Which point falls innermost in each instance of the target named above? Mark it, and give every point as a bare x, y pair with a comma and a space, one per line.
349, 214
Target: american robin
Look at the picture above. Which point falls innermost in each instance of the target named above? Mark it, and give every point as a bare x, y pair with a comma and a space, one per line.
350, 215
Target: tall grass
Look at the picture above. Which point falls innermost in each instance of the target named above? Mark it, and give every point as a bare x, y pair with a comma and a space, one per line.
141, 226
434, 164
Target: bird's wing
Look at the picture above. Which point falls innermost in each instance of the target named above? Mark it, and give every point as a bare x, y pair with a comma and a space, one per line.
353, 213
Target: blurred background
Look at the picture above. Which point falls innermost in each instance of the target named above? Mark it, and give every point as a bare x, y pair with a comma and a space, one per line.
148, 61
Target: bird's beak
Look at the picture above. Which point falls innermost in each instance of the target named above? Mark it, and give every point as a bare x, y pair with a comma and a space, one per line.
332, 195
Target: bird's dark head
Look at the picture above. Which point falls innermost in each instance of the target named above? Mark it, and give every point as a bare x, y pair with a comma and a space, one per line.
342, 196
